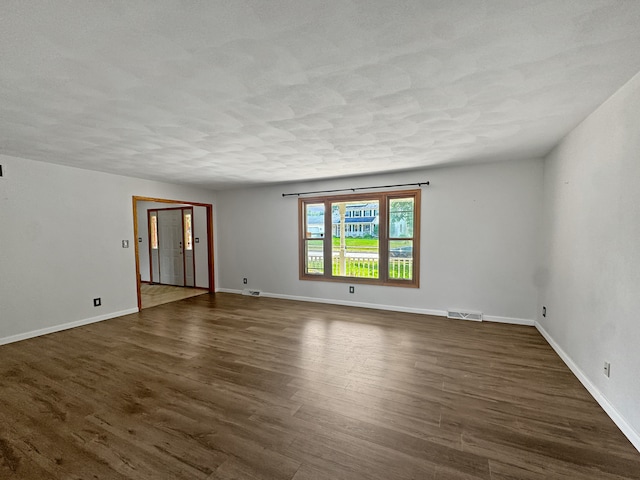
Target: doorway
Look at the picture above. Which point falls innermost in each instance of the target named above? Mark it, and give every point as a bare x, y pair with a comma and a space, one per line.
173, 250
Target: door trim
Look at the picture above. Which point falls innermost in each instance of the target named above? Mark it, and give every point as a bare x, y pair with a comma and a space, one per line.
211, 263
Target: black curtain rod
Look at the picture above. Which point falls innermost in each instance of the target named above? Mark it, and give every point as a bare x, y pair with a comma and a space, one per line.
354, 189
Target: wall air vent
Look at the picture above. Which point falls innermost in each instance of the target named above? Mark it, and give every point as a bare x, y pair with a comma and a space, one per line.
252, 292
465, 315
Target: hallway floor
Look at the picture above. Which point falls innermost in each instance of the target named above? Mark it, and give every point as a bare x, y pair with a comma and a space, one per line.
153, 295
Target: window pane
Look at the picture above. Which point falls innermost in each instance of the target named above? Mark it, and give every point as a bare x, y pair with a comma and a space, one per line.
314, 255
154, 232
401, 218
188, 232
314, 220
401, 259
339, 238
355, 244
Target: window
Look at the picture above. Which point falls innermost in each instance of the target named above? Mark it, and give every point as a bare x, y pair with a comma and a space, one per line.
154, 230
313, 230
188, 237
372, 238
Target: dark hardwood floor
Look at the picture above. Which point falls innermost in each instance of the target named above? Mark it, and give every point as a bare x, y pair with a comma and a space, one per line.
234, 387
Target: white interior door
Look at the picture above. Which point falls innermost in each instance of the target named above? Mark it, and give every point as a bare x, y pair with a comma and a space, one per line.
170, 247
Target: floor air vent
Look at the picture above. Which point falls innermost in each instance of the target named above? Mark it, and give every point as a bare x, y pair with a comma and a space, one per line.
465, 315
251, 292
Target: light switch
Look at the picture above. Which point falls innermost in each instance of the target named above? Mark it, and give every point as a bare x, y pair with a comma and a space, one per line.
125, 243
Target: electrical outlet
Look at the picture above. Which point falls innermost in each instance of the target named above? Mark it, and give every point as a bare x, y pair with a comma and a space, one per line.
544, 311
97, 302
352, 289
244, 280
607, 369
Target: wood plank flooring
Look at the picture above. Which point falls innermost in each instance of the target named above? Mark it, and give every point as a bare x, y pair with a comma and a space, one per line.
153, 295
235, 387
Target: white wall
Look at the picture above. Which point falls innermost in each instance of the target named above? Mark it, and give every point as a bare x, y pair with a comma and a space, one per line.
592, 253
60, 243
200, 249
479, 241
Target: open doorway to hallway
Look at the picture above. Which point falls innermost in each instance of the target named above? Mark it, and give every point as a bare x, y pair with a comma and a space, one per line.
174, 250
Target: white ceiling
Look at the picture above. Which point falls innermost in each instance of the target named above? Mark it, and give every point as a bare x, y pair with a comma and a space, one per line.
232, 92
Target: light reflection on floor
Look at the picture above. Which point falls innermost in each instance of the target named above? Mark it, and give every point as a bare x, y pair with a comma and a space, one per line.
336, 352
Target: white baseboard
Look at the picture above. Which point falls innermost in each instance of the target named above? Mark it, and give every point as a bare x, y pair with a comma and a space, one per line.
346, 303
228, 290
510, 320
627, 429
65, 326
376, 306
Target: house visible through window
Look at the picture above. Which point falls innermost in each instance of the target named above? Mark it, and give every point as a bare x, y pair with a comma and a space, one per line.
313, 244
373, 238
401, 237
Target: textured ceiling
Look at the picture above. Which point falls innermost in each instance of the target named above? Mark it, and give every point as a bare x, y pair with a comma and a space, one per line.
224, 93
